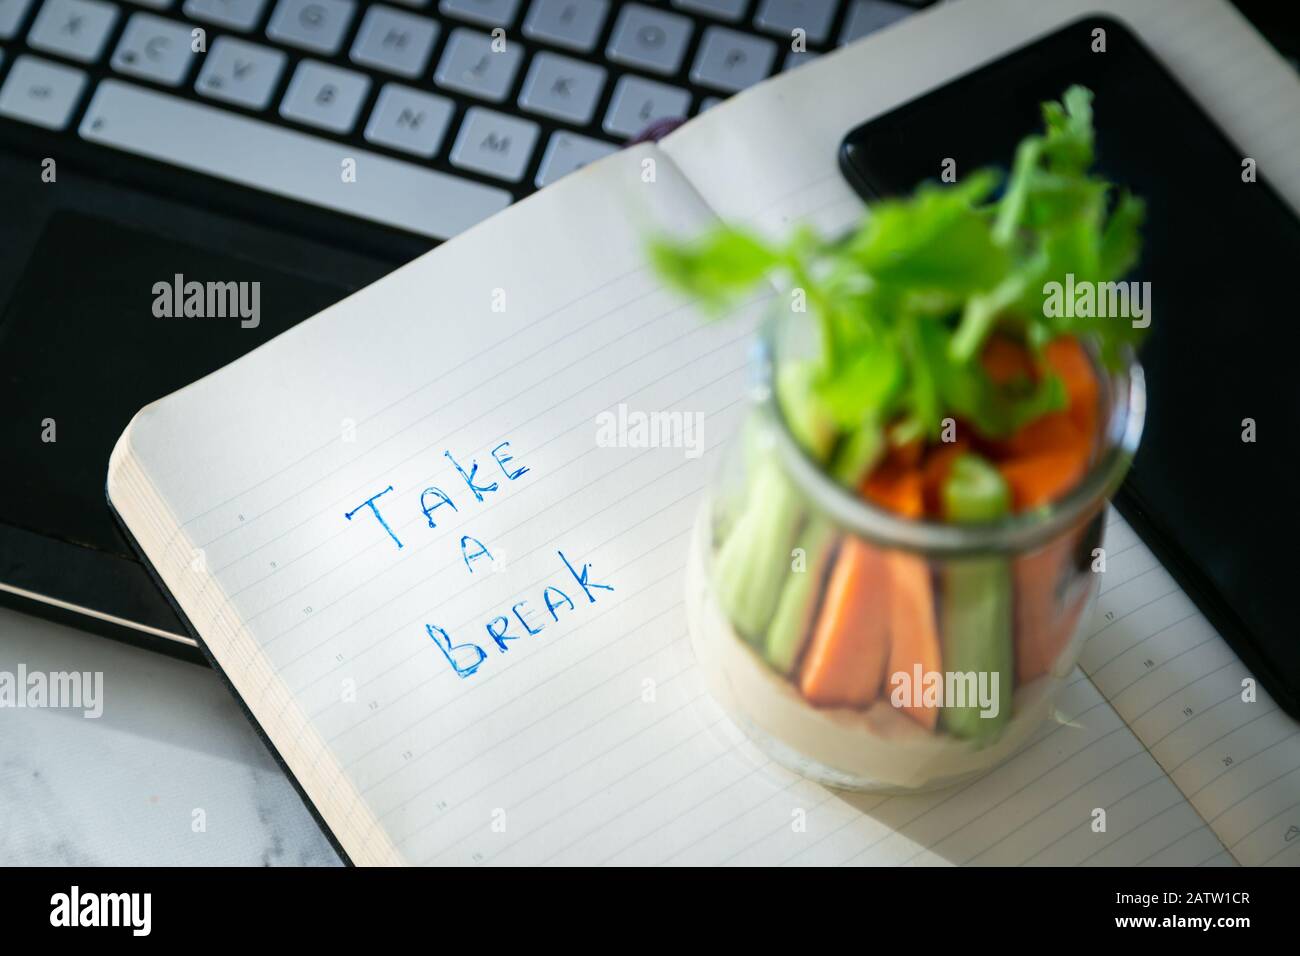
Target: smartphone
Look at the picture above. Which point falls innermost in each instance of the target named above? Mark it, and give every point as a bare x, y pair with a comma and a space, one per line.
1215, 486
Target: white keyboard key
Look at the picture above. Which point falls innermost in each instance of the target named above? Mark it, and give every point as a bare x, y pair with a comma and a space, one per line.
782, 17
410, 120
573, 24
637, 103
487, 13
234, 147
470, 65
316, 25
235, 71
154, 49
325, 96
11, 16
493, 143
868, 16
568, 151
39, 92
241, 15
77, 29
729, 60
651, 39
731, 10
562, 88
394, 41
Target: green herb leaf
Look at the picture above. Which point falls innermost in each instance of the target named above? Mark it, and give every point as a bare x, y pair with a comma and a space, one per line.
905, 304
937, 241
719, 268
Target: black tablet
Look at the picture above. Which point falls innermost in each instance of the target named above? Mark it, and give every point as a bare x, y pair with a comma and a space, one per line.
1222, 253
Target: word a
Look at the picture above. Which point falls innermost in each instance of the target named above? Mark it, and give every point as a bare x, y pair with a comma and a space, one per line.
637, 429
58, 690
208, 300
466, 658
103, 909
953, 689
1102, 300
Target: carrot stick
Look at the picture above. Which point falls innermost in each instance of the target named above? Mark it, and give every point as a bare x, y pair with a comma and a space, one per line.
1044, 621
896, 488
1037, 479
1068, 359
913, 631
1054, 432
1051, 595
845, 661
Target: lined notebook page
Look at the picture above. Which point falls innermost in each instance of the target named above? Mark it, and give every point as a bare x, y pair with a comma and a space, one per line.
1178, 685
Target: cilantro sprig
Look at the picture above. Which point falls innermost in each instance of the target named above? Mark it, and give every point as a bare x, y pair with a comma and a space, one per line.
906, 302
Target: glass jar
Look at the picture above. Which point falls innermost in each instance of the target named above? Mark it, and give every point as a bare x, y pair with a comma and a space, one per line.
870, 651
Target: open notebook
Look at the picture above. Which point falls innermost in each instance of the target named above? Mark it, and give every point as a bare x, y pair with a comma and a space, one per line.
594, 740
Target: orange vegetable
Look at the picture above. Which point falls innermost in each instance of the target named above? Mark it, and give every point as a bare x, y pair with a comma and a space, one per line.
896, 487
908, 455
1068, 359
1038, 479
1040, 461
1053, 433
913, 630
1006, 360
844, 665
1049, 599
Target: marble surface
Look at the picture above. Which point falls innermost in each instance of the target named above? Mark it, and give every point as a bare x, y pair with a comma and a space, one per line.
123, 788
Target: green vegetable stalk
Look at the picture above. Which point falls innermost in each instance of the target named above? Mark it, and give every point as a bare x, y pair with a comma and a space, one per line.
797, 607
753, 563
975, 611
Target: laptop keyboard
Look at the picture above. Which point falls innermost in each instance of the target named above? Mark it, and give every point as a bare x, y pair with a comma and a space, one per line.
423, 115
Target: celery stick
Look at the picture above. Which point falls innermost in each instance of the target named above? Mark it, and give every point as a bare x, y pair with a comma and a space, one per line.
794, 615
753, 560
975, 492
858, 456
752, 566
797, 608
810, 426
975, 602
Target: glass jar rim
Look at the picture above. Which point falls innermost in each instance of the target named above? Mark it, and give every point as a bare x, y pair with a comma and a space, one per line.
1126, 413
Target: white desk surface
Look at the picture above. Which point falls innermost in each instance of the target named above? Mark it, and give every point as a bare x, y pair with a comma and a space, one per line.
122, 789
